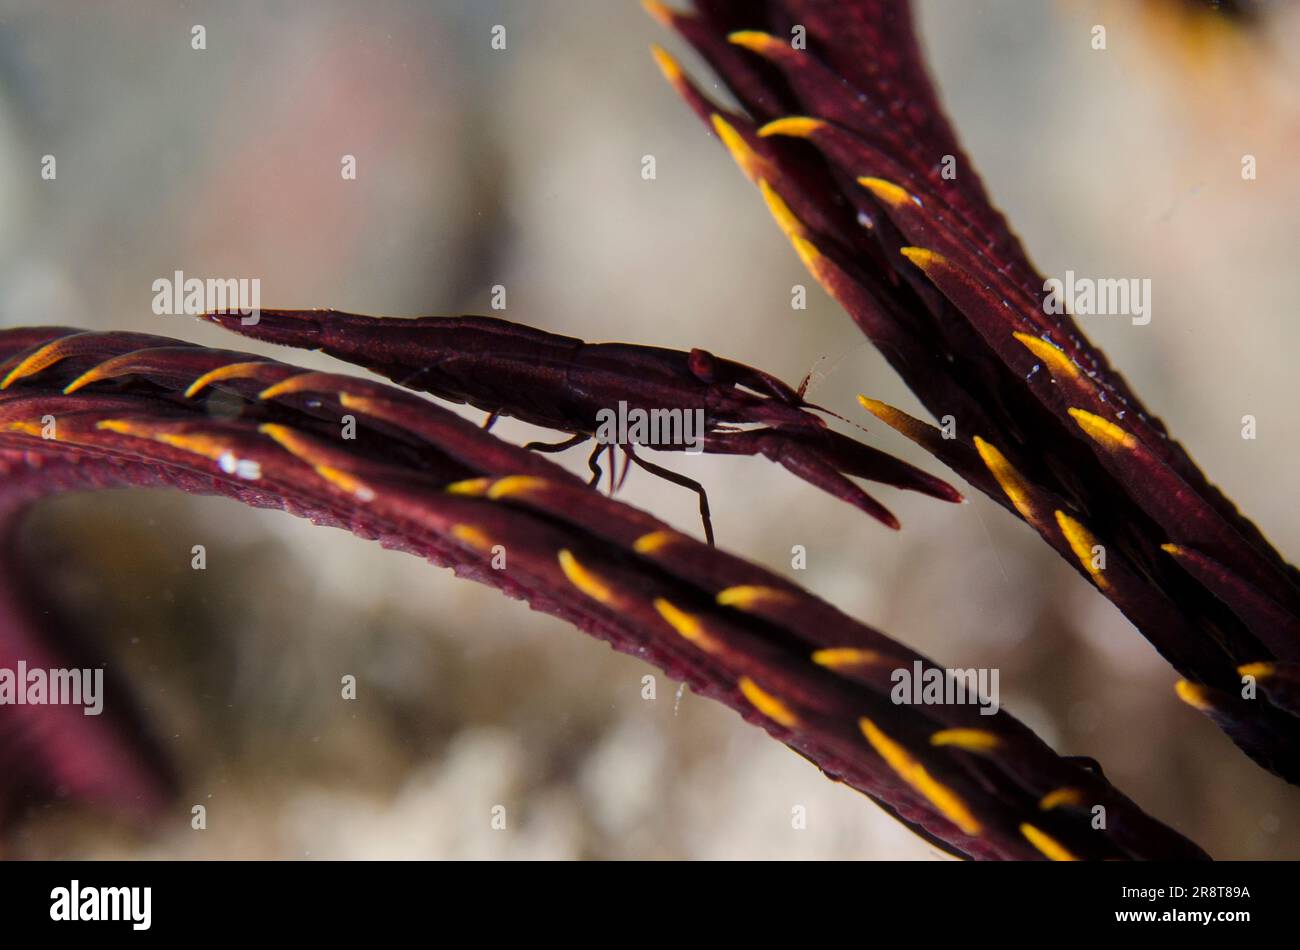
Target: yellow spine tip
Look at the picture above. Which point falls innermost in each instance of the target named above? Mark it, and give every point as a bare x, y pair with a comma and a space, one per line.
807, 252
1060, 796
661, 12
346, 481
687, 625
1004, 473
474, 537
751, 163
49, 354
1257, 670
1054, 357
724, 129
972, 740
220, 373
27, 428
795, 126
85, 379
748, 596
279, 389
585, 580
654, 542
839, 658
1194, 695
1084, 544
786, 219
873, 406
1102, 430
469, 486
894, 418
922, 257
767, 704
915, 774
671, 69
755, 40
891, 194
1048, 845
515, 485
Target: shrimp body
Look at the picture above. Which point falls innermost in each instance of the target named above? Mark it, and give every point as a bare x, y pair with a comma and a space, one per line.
567, 384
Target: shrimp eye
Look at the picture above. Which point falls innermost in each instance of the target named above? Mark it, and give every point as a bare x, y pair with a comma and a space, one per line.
702, 365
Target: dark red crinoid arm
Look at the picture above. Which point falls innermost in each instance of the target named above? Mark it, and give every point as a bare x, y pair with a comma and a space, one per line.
844, 136
420, 479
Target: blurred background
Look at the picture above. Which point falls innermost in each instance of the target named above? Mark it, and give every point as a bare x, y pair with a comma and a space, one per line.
522, 167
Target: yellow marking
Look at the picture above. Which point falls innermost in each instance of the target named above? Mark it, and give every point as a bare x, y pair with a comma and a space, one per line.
688, 625
1103, 431
756, 40
749, 596
1060, 796
585, 581
655, 541
93, 375
27, 428
203, 445
125, 427
767, 704
838, 658
1082, 541
345, 481
293, 442
808, 253
46, 356
371, 407
206, 446
1046, 844
972, 740
1257, 670
231, 371
1057, 362
1173, 549
660, 11
516, 485
795, 126
303, 382
914, 774
298, 445
1194, 695
1013, 485
671, 69
896, 419
923, 258
469, 486
891, 194
472, 536
751, 163
785, 218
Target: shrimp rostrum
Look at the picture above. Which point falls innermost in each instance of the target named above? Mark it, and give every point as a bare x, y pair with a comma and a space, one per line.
622, 395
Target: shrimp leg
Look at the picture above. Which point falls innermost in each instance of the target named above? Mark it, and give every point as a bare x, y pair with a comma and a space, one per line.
683, 481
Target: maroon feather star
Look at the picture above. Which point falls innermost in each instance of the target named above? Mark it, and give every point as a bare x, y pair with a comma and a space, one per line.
843, 134
81, 410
